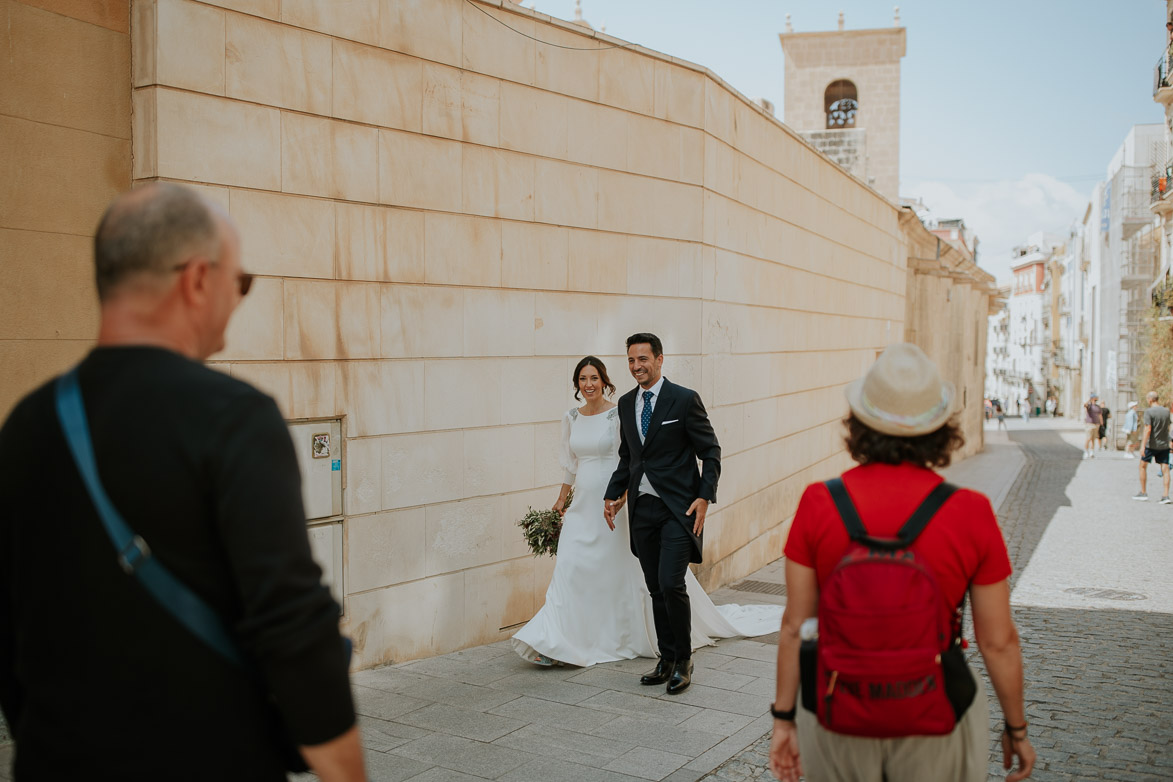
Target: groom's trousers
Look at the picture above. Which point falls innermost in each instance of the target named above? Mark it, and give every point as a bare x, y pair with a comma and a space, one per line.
664, 549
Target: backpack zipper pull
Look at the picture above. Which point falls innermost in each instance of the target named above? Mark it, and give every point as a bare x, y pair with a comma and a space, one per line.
829, 693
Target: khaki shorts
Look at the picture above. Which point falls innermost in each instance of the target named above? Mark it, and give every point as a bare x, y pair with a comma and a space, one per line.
1132, 437
961, 756
1092, 430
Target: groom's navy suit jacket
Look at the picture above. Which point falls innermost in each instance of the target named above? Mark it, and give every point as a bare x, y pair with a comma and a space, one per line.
678, 434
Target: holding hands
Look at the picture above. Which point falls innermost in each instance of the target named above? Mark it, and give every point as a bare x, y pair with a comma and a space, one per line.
699, 507
611, 508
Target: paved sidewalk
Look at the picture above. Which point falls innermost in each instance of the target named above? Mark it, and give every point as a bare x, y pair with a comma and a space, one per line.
483, 713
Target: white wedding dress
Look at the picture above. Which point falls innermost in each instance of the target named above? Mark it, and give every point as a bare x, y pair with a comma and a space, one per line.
597, 607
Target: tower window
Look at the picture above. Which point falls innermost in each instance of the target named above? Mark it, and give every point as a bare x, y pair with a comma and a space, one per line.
841, 104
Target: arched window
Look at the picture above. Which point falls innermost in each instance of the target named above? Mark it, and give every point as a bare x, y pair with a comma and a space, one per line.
840, 103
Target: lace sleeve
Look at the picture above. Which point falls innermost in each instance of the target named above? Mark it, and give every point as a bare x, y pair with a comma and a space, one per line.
565, 454
613, 419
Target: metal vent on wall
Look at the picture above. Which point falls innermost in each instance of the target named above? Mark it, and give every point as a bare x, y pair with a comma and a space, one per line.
1106, 594
760, 587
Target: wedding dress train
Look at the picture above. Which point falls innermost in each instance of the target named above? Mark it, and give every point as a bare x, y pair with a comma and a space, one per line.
597, 606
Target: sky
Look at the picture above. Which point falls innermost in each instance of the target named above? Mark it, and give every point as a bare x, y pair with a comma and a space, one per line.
1010, 111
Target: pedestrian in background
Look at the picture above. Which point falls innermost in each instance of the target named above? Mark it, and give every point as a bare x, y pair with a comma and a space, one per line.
1105, 414
1155, 446
901, 425
998, 411
1092, 417
100, 675
1131, 425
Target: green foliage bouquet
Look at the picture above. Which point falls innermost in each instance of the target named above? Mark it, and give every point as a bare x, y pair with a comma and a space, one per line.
542, 528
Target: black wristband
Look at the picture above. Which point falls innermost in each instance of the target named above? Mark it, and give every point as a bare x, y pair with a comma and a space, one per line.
783, 715
1012, 729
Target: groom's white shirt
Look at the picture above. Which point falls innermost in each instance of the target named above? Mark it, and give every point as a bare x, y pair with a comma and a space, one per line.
645, 486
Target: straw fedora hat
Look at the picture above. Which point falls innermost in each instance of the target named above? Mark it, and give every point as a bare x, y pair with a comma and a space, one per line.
902, 394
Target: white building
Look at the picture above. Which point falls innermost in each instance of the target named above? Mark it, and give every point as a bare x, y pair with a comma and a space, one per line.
1122, 250
1000, 382
1020, 353
1069, 279
1029, 319
1074, 315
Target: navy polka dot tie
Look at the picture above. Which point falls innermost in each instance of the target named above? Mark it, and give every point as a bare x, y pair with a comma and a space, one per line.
645, 417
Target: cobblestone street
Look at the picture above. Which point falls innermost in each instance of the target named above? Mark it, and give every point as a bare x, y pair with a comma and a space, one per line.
1099, 688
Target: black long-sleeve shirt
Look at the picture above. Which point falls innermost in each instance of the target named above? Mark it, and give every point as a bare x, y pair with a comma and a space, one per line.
96, 678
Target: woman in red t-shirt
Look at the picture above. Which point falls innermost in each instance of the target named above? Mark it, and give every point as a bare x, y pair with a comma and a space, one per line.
899, 428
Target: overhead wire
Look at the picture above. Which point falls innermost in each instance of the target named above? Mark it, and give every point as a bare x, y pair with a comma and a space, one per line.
547, 43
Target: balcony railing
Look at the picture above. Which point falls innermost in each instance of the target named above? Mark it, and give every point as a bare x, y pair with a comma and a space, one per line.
1162, 180
1161, 74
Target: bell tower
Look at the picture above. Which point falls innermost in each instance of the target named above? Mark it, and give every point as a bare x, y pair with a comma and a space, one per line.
843, 95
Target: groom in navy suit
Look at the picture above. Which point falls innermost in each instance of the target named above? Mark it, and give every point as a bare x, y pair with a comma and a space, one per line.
663, 431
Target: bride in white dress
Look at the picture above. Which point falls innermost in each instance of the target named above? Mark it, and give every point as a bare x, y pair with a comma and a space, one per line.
597, 606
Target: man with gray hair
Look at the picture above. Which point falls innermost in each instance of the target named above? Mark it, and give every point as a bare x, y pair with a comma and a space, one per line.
100, 671
1154, 446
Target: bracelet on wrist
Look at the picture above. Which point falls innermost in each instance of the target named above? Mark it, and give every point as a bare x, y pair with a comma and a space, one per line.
787, 716
1011, 730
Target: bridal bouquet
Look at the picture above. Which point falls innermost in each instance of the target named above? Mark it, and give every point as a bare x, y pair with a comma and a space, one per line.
542, 528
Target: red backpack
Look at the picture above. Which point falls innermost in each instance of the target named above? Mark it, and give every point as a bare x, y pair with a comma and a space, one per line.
889, 659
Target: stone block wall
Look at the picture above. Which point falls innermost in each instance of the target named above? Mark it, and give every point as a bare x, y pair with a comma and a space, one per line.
947, 316
64, 153
847, 148
445, 215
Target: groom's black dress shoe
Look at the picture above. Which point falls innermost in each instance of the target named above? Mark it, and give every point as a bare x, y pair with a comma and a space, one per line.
681, 677
660, 675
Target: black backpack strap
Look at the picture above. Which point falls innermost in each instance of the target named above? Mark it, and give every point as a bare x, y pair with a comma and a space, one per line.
920, 517
846, 508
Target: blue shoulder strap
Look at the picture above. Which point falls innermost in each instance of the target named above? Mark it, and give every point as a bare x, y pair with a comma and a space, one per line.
133, 553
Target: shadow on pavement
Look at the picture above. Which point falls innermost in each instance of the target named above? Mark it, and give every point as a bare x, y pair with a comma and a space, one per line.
1040, 489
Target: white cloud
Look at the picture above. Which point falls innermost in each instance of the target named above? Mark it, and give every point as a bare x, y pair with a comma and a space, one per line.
1004, 213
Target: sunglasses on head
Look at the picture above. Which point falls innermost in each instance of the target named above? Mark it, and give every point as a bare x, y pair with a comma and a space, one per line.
244, 280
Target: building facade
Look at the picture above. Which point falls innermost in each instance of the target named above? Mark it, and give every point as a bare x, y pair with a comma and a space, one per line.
1068, 334
1029, 323
949, 303
843, 95
1030, 331
1161, 173
1000, 386
1160, 290
1129, 241
1074, 317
